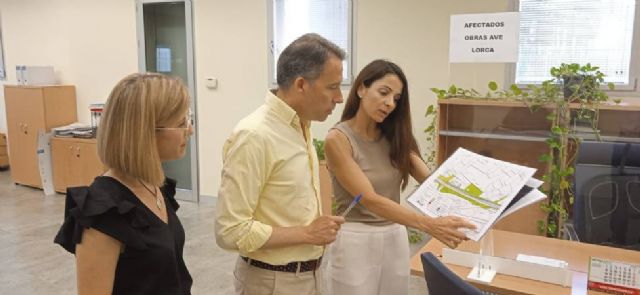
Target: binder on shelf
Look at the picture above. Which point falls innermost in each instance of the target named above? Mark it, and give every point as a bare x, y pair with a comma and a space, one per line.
38, 75
19, 78
35, 75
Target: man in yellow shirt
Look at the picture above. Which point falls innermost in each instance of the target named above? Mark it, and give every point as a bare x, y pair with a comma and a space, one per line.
269, 200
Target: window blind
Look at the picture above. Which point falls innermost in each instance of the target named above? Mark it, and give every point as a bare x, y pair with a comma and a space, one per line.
552, 32
329, 18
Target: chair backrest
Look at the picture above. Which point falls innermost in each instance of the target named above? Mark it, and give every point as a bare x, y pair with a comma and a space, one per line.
442, 281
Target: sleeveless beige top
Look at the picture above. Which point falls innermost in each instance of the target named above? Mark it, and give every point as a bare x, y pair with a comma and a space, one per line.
372, 156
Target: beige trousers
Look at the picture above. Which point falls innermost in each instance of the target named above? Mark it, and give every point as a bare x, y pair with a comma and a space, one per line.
369, 260
251, 280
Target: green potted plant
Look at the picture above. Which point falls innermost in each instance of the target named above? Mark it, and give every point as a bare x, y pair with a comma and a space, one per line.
319, 145
581, 83
326, 194
582, 86
571, 84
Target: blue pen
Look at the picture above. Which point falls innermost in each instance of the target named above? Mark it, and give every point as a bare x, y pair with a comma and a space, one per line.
353, 204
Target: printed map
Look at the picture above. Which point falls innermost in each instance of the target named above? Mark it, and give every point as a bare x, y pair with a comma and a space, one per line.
471, 186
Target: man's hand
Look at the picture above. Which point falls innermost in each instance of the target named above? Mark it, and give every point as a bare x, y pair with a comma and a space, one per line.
323, 230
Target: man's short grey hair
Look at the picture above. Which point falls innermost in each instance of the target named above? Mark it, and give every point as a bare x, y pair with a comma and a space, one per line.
305, 57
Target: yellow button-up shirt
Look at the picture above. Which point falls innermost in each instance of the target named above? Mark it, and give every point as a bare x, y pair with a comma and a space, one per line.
269, 178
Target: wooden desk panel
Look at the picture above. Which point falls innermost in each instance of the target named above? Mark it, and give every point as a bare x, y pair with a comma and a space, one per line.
510, 244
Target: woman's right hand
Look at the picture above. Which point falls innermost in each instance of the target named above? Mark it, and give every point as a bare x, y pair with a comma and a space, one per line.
447, 229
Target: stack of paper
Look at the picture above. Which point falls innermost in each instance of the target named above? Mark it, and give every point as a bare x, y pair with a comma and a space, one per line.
480, 189
81, 130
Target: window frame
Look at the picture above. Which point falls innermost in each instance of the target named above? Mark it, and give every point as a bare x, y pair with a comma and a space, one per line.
349, 57
631, 89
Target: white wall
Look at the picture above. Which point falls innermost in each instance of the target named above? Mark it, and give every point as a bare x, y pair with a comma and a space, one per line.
231, 45
415, 35
92, 44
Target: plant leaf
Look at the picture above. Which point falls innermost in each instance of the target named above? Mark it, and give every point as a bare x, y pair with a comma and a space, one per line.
544, 158
493, 85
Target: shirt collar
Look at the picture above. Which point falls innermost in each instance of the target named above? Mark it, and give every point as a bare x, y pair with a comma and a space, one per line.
281, 109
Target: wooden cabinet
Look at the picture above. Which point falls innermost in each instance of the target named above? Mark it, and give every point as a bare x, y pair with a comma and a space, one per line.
4, 158
509, 131
75, 162
29, 109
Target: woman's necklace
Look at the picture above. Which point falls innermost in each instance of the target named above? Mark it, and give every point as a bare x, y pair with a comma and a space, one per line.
154, 193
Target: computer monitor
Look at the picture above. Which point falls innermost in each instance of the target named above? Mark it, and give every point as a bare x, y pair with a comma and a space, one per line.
607, 198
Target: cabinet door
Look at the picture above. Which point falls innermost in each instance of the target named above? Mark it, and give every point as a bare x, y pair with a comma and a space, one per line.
25, 115
20, 159
60, 159
59, 106
86, 164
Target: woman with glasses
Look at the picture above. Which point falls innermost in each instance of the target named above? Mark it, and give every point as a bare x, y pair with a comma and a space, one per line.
123, 229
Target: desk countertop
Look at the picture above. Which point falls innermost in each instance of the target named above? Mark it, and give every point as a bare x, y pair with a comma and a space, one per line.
509, 245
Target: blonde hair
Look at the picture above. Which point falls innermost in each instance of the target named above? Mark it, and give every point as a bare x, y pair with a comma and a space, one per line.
127, 134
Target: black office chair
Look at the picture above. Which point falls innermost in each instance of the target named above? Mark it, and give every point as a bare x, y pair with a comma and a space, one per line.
442, 281
611, 200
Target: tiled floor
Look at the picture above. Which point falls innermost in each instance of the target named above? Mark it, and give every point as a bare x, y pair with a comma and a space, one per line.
31, 264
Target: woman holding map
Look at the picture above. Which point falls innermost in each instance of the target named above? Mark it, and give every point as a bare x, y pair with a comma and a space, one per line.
371, 152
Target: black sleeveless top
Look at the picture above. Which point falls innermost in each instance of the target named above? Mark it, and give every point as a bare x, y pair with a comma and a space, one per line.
151, 262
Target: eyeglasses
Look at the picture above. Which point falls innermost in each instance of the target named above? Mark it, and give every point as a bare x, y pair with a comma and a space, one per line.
188, 122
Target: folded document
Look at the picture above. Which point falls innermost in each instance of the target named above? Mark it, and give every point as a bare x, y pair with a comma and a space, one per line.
480, 189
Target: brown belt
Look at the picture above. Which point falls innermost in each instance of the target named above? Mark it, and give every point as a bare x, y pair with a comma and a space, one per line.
296, 266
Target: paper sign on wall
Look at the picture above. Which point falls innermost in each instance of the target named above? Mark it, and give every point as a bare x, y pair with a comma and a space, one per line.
489, 37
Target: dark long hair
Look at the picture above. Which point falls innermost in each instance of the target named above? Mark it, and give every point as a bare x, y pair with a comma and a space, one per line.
396, 128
